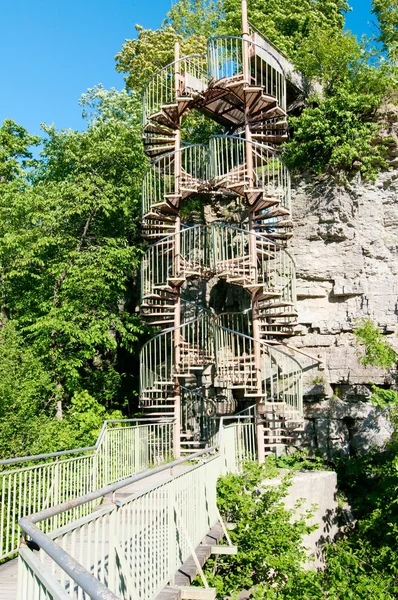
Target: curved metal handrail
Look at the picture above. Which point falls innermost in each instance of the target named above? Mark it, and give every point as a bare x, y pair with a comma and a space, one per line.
217, 37
216, 246
168, 154
226, 226
269, 149
186, 146
154, 179
229, 157
174, 62
237, 37
243, 335
158, 175
171, 68
207, 72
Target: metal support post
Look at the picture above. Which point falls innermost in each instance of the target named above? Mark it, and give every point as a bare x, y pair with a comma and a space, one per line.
177, 264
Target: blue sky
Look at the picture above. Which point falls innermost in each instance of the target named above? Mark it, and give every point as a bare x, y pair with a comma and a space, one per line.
51, 51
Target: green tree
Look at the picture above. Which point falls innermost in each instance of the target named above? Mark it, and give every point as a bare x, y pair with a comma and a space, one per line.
287, 24
70, 248
270, 546
15, 155
338, 130
194, 17
140, 58
378, 352
27, 416
25, 388
387, 16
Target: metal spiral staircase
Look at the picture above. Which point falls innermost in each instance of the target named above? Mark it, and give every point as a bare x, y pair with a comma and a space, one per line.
202, 365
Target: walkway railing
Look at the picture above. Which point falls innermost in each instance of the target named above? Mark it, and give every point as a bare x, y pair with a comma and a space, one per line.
134, 548
269, 173
222, 250
161, 88
34, 483
225, 61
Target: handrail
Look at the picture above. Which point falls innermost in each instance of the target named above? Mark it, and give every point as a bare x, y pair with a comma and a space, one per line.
170, 65
262, 342
11, 461
205, 146
35, 482
167, 154
269, 149
203, 55
110, 489
71, 566
248, 41
163, 86
259, 236
214, 317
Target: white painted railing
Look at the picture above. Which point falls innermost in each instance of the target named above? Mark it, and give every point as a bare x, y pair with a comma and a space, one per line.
123, 448
162, 88
225, 56
268, 173
134, 548
174, 175
222, 251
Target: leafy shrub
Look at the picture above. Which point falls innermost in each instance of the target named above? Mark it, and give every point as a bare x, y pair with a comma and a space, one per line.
378, 351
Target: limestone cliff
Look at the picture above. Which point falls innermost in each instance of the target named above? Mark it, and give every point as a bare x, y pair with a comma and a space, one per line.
345, 246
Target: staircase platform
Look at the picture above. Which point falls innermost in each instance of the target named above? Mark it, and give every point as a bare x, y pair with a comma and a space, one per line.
8, 579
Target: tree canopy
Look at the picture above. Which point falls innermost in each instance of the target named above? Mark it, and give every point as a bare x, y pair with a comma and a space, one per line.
386, 12
70, 251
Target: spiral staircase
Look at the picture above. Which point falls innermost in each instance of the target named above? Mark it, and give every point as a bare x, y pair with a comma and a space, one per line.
202, 365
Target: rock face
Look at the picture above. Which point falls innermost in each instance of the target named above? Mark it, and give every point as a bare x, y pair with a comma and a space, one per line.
345, 246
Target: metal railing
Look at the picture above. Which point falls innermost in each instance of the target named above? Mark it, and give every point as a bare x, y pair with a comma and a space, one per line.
197, 415
174, 175
157, 359
279, 381
269, 173
224, 164
224, 60
133, 548
225, 55
205, 341
161, 88
221, 250
27, 486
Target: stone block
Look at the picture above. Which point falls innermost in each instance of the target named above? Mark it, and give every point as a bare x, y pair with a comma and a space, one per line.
314, 491
347, 287
311, 292
339, 439
372, 431
322, 435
